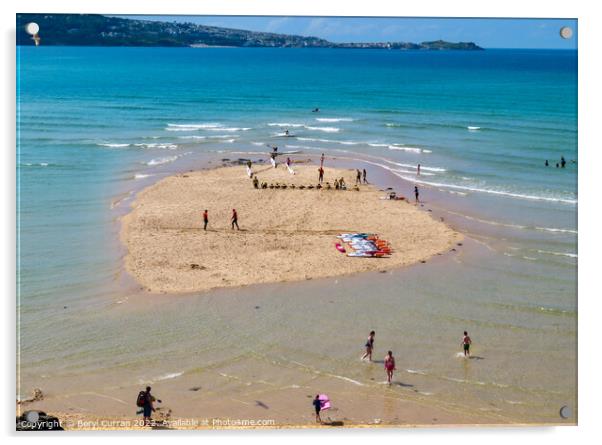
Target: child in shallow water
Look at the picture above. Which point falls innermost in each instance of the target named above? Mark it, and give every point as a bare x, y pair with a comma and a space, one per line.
389, 366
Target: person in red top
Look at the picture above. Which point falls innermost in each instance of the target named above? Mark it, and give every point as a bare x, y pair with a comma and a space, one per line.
205, 219
320, 175
235, 219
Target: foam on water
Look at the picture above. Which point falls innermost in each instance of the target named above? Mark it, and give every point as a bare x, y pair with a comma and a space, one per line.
169, 376
408, 149
324, 129
285, 124
157, 145
113, 145
334, 119
328, 141
512, 226
493, 191
195, 126
229, 129
36, 164
192, 137
567, 254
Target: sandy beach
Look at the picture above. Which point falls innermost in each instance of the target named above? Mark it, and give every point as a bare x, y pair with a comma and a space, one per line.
285, 234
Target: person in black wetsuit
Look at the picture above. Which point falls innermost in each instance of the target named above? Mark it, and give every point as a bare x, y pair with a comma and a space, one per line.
318, 407
416, 194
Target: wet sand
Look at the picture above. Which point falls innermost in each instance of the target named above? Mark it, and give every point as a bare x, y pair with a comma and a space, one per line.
285, 234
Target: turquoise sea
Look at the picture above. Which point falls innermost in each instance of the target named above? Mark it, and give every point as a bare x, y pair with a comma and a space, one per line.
95, 125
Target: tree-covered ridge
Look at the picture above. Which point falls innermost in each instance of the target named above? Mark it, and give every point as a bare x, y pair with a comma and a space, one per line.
99, 30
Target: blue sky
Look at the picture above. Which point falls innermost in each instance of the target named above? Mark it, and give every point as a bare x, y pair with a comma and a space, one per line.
488, 33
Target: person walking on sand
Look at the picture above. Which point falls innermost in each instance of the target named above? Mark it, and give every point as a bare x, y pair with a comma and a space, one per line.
318, 407
364, 175
416, 194
358, 177
418, 170
145, 401
320, 175
205, 219
369, 346
235, 219
389, 366
466, 342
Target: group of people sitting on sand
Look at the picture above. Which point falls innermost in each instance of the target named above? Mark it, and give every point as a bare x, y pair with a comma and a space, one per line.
339, 184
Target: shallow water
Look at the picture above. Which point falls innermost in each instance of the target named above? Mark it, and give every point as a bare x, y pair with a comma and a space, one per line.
97, 124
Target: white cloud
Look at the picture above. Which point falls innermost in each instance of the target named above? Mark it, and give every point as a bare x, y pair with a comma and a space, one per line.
277, 24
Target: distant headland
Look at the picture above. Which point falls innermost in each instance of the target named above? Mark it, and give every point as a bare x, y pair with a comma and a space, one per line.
100, 30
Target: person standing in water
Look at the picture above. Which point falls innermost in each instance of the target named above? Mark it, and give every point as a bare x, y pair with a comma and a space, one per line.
318, 407
235, 219
205, 219
562, 162
547, 163
466, 342
416, 193
389, 366
369, 346
418, 170
364, 175
322, 160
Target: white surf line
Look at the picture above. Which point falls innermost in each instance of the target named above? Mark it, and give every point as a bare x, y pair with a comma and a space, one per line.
513, 226
340, 377
91, 393
567, 254
457, 187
